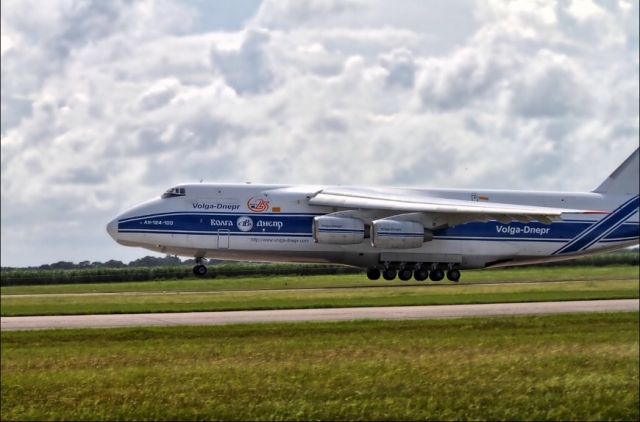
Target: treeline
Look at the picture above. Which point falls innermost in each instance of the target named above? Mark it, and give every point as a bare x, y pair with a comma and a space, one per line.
172, 268
26, 277
614, 258
145, 262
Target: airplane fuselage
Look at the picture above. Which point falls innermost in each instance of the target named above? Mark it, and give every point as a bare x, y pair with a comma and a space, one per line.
276, 223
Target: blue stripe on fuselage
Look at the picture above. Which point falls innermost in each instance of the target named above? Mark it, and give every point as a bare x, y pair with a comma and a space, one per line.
494, 230
301, 225
211, 223
603, 228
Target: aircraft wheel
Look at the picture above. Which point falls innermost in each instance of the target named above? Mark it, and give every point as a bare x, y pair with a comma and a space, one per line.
389, 274
421, 274
373, 274
453, 275
437, 274
405, 274
200, 270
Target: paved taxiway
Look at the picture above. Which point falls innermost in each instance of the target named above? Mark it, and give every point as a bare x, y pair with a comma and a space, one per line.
299, 315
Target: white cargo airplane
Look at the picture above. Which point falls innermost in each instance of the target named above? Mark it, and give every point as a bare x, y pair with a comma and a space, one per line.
391, 231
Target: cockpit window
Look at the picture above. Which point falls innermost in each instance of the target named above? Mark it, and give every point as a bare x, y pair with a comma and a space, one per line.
170, 193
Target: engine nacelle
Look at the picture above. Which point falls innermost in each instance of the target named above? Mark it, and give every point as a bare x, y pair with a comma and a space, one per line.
396, 234
338, 230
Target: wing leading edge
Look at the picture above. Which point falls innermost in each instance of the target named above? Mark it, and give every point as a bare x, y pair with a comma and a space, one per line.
440, 211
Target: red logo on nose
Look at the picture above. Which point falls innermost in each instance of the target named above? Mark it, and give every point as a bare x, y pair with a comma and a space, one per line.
258, 204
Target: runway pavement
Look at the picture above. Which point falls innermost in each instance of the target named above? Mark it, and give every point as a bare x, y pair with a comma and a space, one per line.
300, 315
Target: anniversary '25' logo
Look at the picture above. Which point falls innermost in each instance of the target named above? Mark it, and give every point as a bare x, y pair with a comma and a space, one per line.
258, 204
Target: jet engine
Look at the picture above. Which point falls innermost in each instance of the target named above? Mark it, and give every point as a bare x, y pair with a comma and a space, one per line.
338, 230
396, 234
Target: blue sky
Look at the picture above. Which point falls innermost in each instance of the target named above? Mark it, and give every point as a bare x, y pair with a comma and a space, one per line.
223, 15
106, 104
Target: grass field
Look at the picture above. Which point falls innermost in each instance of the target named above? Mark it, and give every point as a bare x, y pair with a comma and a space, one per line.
572, 367
330, 298
313, 292
326, 281
99, 273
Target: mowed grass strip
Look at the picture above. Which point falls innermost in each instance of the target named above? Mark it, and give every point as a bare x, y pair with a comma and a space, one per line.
528, 274
329, 298
571, 367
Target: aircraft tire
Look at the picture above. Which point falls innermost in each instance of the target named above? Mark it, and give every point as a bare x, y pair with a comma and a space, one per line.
453, 275
373, 274
405, 274
436, 275
200, 270
389, 274
421, 274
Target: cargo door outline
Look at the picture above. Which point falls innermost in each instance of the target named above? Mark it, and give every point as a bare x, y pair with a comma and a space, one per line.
223, 239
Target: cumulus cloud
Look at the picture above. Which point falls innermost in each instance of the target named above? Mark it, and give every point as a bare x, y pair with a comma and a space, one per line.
401, 68
551, 87
246, 69
290, 13
105, 104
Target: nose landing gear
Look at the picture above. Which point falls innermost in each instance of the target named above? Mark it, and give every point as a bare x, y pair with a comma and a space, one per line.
199, 270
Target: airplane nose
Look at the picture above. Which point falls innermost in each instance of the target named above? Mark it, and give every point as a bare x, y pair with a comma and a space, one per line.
112, 228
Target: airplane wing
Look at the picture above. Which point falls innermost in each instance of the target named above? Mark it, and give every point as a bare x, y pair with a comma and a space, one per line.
442, 211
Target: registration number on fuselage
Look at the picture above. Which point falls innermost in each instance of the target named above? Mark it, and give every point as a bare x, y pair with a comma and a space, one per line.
158, 222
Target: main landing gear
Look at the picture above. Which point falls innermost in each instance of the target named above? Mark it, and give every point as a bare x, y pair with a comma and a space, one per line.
373, 274
389, 274
437, 274
453, 275
199, 270
420, 272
